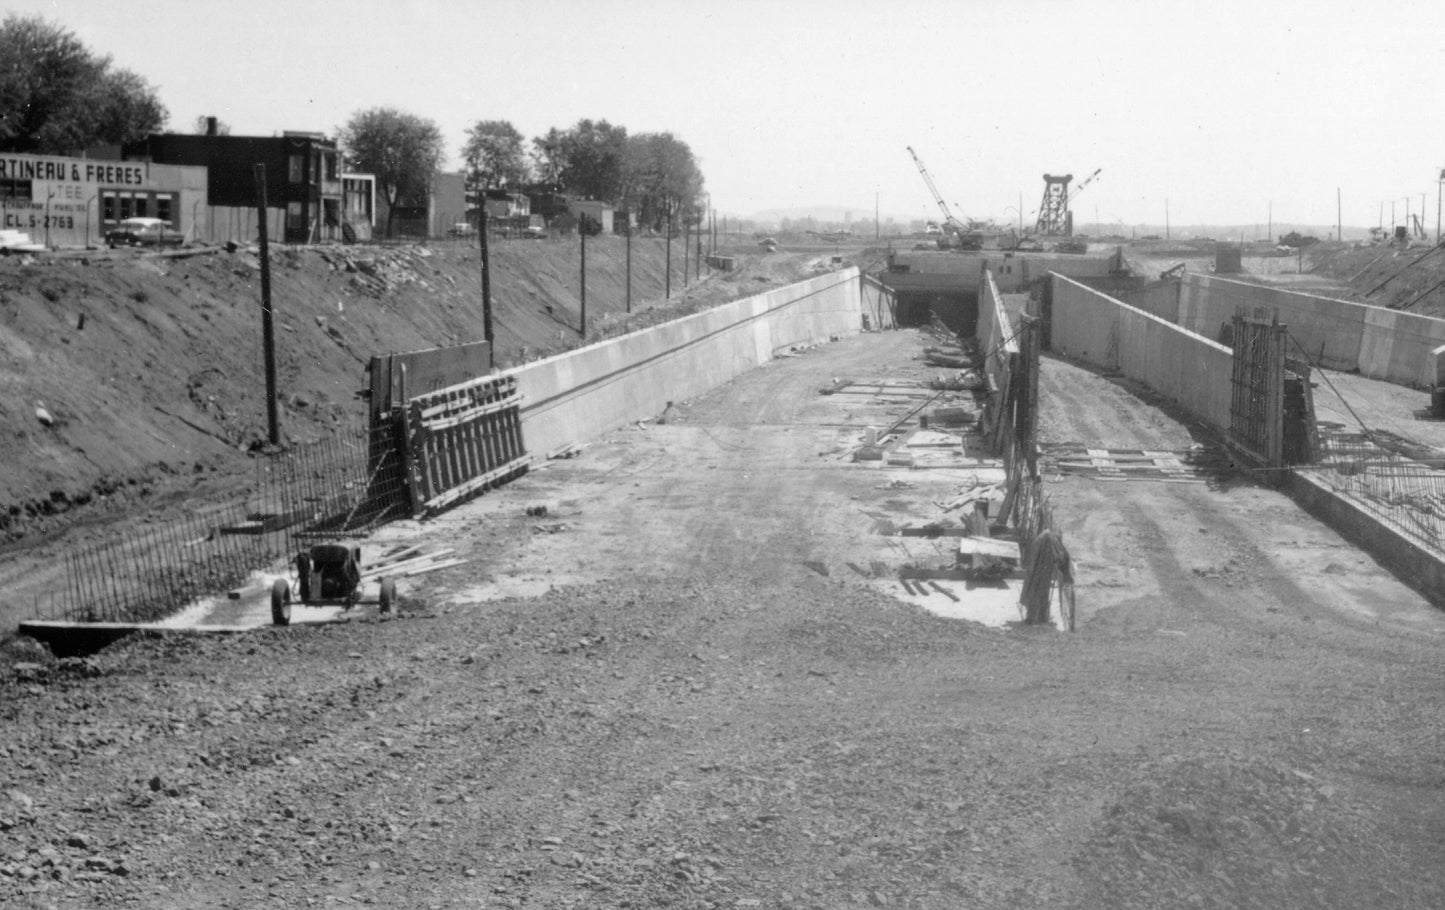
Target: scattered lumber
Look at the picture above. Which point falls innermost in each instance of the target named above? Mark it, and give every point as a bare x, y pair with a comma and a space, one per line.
942, 590
395, 567
422, 570
987, 546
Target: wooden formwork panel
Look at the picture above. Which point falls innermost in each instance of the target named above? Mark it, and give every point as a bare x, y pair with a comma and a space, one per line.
461, 440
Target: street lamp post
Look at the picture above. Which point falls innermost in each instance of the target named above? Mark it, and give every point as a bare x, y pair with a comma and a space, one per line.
47, 217
87, 218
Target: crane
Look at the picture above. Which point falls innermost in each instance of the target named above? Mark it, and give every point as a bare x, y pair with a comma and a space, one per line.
966, 239
1054, 216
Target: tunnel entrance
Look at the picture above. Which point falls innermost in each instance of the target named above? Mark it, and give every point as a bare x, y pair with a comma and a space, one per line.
956, 309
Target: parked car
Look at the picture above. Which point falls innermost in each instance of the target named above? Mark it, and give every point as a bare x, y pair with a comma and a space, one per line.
144, 232
534, 233
462, 229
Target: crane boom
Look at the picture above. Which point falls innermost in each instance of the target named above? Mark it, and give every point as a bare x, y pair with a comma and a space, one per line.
932, 189
1083, 183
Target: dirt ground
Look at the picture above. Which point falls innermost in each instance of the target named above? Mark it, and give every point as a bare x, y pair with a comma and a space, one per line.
672, 691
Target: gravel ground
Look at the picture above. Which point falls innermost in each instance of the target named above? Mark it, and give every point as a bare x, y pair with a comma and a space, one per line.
710, 724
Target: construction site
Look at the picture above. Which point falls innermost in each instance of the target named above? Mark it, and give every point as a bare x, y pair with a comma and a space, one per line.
1003, 569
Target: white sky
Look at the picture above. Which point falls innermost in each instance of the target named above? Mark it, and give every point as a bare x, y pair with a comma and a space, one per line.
1220, 107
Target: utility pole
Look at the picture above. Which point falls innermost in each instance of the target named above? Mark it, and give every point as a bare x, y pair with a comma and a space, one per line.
667, 282
1439, 187
686, 240
629, 258
486, 285
1270, 235
875, 214
1166, 217
268, 328
582, 233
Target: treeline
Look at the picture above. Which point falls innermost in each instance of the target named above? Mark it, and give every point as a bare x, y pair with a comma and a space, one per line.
653, 175
58, 97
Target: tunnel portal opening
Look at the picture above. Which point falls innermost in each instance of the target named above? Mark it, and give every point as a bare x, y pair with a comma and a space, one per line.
956, 309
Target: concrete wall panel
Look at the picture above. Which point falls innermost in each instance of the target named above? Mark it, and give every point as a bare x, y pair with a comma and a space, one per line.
1160, 298
995, 332
1337, 334
1188, 369
586, 392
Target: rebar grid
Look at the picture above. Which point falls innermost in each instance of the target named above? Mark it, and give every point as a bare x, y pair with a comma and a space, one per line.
1404, 494
342, 486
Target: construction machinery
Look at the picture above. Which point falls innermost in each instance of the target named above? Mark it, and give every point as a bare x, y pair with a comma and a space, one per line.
955, 235
326, 574
1055, 219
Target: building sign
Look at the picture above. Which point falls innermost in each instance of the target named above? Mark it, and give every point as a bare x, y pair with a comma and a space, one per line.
73, 170
43, 194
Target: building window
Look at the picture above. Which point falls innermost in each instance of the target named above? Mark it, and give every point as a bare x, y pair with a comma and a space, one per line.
295, 218
330, 162
296, 164
118, 204
15, 189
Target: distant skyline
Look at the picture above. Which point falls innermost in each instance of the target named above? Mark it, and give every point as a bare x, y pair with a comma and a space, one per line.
1225, 109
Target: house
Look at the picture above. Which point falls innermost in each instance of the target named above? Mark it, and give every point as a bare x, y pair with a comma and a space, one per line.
502, 203
599, 212
303, 181
358, 205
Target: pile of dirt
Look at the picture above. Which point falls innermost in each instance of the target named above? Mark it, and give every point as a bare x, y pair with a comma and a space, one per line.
126, 375
1412, 279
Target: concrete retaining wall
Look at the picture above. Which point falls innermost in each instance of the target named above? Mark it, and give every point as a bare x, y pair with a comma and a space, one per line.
1339, 335
995, 332
1188, 369
929, 270
584, 393
1160, 298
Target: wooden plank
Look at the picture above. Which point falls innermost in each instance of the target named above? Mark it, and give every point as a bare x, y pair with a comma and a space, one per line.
987, 546
925, 531
389, 568
942, 590
422, 570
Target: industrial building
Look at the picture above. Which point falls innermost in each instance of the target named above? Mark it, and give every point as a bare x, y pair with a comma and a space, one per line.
71, 202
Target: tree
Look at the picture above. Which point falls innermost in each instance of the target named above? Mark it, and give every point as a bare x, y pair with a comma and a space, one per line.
57, 97
585, 160
403, 151
493, 154
661, 178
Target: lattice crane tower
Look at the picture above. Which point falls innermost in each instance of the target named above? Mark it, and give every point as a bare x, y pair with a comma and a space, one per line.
1054, 216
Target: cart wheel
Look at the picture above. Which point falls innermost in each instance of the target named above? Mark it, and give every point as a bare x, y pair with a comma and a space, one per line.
388, 594
281, 603
303, 576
